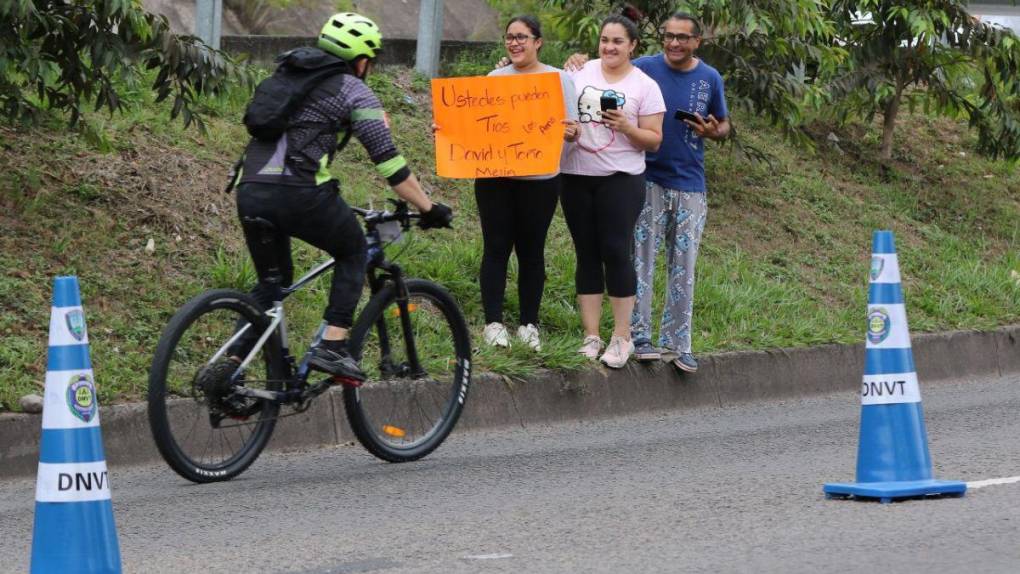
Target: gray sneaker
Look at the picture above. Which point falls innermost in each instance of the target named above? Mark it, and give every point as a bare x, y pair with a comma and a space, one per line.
644, 351
338, 363
686, 363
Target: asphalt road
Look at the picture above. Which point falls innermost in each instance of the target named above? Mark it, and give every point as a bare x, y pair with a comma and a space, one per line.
715, 490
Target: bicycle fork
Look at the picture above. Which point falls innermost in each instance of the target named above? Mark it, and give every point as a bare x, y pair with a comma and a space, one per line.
413, 368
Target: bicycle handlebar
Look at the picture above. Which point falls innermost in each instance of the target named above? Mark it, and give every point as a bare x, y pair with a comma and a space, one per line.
401, 213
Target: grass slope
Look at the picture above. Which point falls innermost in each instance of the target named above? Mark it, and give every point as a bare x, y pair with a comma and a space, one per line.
784, 258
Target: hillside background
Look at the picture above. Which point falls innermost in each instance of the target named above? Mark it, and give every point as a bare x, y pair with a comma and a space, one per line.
133, 204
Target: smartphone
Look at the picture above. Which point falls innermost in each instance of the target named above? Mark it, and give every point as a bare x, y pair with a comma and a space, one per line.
607, 103
685, 115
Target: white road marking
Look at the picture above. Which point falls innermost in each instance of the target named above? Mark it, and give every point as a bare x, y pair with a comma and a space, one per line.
992, 482
488, 556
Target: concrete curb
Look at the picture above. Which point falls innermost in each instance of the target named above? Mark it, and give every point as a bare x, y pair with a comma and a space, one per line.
723, 379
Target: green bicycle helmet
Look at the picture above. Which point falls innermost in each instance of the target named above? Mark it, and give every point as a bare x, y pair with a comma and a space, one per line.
348, 36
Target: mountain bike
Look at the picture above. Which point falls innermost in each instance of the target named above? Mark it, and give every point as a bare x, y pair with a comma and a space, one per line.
211, 413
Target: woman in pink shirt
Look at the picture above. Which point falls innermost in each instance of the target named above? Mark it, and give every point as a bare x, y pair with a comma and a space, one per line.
603, 183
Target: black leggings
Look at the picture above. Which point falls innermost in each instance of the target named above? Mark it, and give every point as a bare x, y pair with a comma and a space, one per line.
316, 215
515, 216
601, 212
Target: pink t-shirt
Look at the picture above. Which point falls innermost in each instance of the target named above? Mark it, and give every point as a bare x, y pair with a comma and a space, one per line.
601, 150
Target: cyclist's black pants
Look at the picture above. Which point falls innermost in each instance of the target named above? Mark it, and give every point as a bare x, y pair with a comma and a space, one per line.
601, 212
315, 215
515, 216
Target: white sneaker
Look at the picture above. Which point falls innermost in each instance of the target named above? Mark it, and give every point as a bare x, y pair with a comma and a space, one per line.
528, 334
618, 352
495, 335
591, 347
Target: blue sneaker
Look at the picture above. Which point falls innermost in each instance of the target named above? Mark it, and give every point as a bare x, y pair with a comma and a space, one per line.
686, 363
644, 351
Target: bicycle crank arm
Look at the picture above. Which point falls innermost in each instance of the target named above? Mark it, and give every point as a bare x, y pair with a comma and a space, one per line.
315, 390
275, 396
284, 397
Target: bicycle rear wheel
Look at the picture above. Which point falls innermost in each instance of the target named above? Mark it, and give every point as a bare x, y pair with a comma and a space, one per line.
409, 404
204, 430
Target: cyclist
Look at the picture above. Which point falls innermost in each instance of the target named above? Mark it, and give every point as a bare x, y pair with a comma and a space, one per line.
287, 182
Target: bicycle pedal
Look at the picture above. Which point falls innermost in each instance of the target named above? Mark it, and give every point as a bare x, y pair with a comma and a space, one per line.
347, 382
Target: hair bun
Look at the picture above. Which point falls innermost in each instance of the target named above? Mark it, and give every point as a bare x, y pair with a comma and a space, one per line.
630, 11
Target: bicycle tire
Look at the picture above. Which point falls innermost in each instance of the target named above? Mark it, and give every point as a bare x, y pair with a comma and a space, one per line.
449, 340
172, 364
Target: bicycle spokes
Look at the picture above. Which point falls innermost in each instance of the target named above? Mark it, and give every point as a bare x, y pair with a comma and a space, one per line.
409, 377
206, 420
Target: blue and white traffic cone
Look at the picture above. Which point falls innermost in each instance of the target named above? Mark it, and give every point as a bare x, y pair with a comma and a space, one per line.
892, 455
74, 529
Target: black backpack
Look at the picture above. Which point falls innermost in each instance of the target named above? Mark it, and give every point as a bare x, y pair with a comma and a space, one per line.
277, 97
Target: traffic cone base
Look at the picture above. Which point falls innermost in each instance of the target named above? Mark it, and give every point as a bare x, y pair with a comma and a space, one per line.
889, 491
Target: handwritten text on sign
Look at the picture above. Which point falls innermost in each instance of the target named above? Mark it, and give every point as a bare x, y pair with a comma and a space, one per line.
498, 126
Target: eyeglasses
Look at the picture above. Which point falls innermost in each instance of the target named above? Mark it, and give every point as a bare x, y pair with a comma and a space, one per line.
668, 37
519, 38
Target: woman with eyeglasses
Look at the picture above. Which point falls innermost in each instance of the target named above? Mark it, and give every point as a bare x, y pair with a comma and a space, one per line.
620, 112
515, 212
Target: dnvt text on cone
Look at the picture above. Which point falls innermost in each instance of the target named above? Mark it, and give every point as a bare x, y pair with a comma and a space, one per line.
74, 530
892, 455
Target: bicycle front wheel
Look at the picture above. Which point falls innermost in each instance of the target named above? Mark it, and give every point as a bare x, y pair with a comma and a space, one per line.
204, 429
417, 356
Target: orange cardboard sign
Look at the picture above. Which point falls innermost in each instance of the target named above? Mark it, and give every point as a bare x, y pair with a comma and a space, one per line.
498, 126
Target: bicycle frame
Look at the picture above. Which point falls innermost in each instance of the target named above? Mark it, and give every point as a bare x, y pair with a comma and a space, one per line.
403, 413
379, 271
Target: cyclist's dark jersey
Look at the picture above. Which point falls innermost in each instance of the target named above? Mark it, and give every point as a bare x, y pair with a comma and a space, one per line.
346, 103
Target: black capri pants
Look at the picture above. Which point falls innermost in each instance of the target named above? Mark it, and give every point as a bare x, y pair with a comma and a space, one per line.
515, 216
315, 215
601, 212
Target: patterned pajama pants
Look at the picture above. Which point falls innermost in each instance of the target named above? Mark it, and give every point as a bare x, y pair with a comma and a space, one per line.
676, 219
